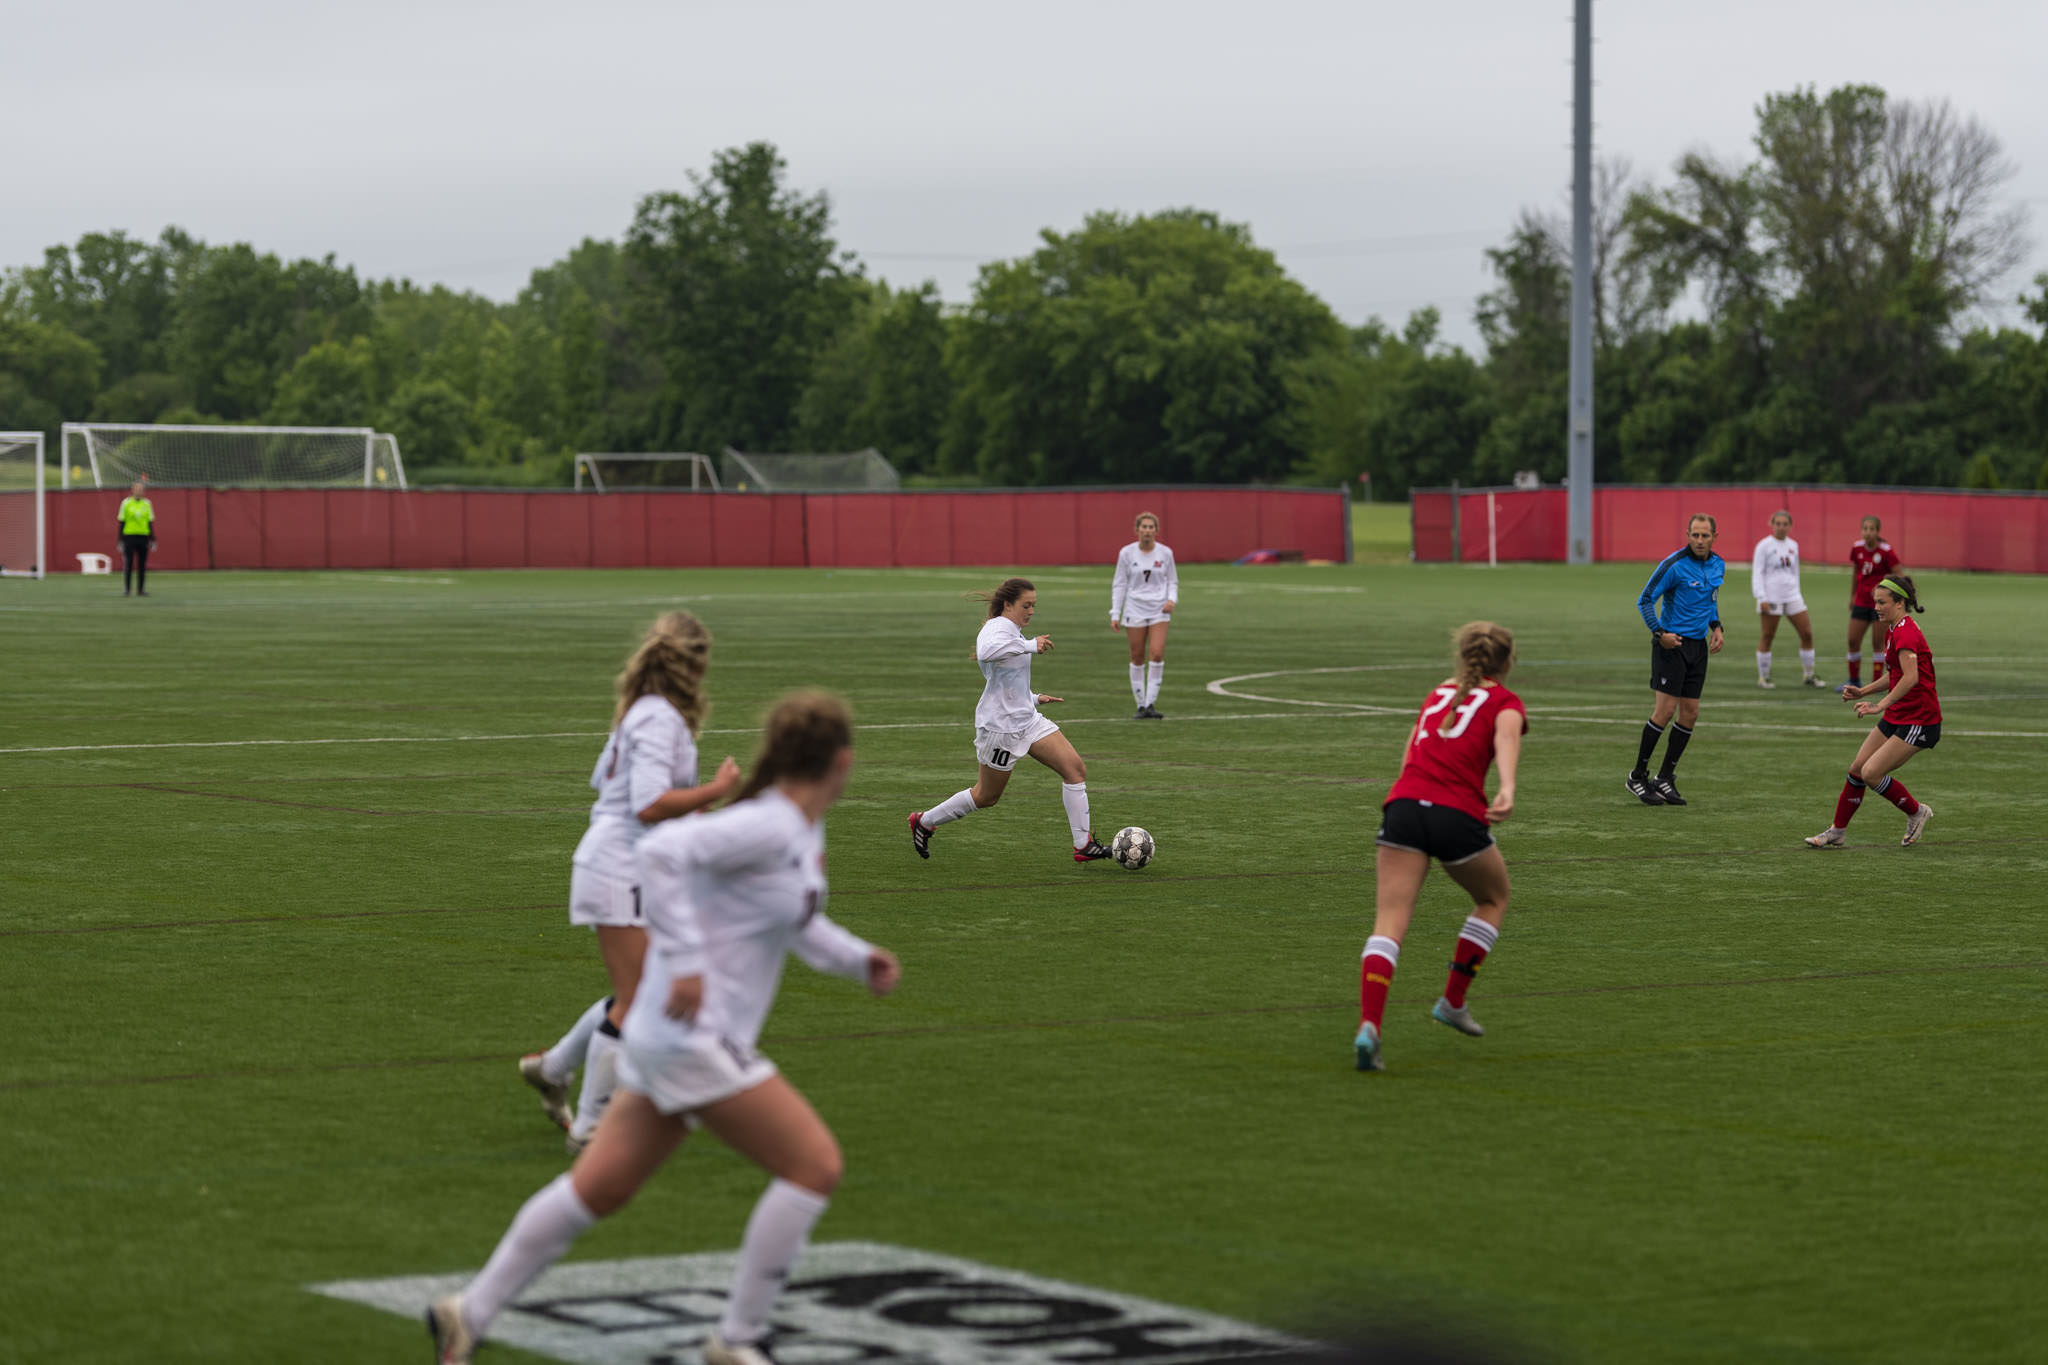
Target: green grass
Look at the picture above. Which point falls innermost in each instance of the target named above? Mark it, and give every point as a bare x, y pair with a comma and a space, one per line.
1379, 532
1738, 1101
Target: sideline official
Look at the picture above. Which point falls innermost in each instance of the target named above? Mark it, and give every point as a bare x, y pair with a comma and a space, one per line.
136, 523
1686, 631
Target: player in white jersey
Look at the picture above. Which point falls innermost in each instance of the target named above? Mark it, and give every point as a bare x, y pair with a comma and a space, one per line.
646, 774
1142, 596
1007, 725
1774, 582
727, 897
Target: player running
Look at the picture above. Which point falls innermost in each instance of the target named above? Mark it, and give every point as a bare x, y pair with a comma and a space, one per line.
646, 774
1438, 809
1142, 596
1689, 582
1007, 725
1910, 718
1774, 582
727, 897
1870, 560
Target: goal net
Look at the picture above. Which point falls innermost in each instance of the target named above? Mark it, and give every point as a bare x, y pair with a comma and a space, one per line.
863, 469
22, 481
112, 455
644, 473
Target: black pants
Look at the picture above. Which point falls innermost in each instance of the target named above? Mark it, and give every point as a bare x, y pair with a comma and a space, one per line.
135, 562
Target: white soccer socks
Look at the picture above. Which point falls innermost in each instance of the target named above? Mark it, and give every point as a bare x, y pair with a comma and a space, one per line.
559, 1062
1763, 666
541, 1231
600, 1074
1074, 796
1153, 673
1806, 662
952, 808
776, 1235
1138, 684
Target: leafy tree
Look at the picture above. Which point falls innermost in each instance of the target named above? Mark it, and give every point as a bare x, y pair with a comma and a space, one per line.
46, 373
1404, 409
883, 381
1148, 348
736, 287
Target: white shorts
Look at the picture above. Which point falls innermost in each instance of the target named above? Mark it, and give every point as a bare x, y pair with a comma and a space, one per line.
1795, 607
1140, 622
1000, 751
598, 898
685, 1080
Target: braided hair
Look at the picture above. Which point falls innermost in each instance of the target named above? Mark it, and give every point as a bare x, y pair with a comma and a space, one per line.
1482, 650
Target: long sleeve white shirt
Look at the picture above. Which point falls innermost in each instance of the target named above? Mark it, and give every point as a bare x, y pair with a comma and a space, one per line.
1004, 652
1774, 570
729, 896
651, 751
1144, 582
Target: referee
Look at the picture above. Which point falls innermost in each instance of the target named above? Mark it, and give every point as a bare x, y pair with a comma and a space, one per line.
136, 523
1688, 630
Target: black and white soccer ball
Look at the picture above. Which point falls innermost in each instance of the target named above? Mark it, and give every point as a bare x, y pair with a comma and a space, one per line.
1132, 847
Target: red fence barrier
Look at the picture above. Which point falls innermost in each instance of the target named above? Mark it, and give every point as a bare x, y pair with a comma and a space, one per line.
347, 528
1930, 528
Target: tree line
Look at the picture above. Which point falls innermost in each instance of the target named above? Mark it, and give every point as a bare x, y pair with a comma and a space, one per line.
1805, 314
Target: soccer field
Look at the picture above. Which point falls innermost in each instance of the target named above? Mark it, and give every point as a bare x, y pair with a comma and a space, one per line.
284, 896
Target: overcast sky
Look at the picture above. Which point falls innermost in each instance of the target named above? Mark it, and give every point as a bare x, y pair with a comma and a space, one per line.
1377, 148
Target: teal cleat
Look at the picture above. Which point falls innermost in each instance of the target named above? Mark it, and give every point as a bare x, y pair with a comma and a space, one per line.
1458, 1017
1368, 1046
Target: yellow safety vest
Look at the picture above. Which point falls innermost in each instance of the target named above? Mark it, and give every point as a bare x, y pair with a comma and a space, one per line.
137, 517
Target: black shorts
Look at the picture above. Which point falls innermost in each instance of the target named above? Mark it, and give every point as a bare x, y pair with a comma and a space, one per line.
1449, 836
1919, 736
1680, 672
1857, 613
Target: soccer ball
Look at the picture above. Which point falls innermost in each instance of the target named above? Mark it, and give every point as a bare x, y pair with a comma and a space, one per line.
1132, 847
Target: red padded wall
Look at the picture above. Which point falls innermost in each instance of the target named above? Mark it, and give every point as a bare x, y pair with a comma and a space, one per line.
294, 522
426, 530
923, 530
743, 531
984, 527
681, 529
618, 531
558, 530
359, 528
493, 530
860, 526
236, 518
1045, 528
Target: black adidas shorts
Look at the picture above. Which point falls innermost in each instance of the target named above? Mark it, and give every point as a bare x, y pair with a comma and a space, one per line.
1919, 736
1857, 613
1449, 836
1680, 672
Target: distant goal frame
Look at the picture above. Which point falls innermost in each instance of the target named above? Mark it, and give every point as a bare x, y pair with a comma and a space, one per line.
33, 442
369, 436
588, 465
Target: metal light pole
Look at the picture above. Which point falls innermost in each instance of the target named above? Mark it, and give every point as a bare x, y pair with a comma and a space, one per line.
1579, 429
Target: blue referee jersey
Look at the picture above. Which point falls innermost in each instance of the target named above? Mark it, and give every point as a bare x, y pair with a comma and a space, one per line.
1689, 587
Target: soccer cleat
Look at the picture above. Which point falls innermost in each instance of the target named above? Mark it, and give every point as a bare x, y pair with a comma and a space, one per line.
920, 837
554, 1098
1916, 822
1639, 787
454, 1343
1666, 793
1367, 1046
1457, 1016
573, 1142
1091, 851
1832, 837
719, 1351
1139, 714
1150, 712
1813, 682
1766, 684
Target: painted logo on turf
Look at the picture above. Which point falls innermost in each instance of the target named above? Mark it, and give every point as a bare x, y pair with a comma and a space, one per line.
849, 1303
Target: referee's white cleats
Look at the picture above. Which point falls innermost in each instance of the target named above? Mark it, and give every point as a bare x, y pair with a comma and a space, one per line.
1834, 838
1367, 1046
1916, 822
553, 1097
454, 1343
1457, 1016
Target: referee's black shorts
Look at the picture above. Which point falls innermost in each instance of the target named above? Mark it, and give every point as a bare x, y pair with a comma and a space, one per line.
1449, 836
1680, 672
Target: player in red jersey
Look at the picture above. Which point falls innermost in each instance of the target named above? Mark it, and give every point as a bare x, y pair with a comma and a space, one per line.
1910, 720
1438, 809
1869, 561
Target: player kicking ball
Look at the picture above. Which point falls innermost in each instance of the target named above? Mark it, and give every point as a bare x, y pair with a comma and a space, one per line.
1909, 719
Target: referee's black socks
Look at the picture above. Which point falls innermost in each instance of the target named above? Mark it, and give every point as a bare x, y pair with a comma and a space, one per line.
1680, 737
1652, 732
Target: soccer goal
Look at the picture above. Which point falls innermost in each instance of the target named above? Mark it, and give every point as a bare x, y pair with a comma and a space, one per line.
22, 482
643, 473
755, 473
113, 455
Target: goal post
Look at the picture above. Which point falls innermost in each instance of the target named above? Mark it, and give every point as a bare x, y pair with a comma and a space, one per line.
619, 472
861, 470
23, 483
114, 454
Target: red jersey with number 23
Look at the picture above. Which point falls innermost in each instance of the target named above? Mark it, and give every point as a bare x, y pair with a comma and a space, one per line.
1922, 706
1868, 567
1451, 747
